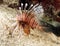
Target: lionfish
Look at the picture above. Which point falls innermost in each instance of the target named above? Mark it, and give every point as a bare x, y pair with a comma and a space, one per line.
27, 20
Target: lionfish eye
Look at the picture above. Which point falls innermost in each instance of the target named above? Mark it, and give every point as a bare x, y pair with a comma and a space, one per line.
23, 23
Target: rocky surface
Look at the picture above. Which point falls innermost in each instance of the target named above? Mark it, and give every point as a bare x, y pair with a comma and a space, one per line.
18, 38
11, 1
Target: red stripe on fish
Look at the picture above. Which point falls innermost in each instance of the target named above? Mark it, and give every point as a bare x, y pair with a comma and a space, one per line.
27, 22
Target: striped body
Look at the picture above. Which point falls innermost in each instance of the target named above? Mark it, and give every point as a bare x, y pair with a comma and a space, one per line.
27, 22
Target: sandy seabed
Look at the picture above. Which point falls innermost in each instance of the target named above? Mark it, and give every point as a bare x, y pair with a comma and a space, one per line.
18, 38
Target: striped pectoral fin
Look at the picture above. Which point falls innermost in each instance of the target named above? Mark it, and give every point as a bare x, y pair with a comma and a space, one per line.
37, 26
27, 29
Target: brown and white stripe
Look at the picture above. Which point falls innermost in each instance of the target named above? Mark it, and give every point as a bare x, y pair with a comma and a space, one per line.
27, 22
